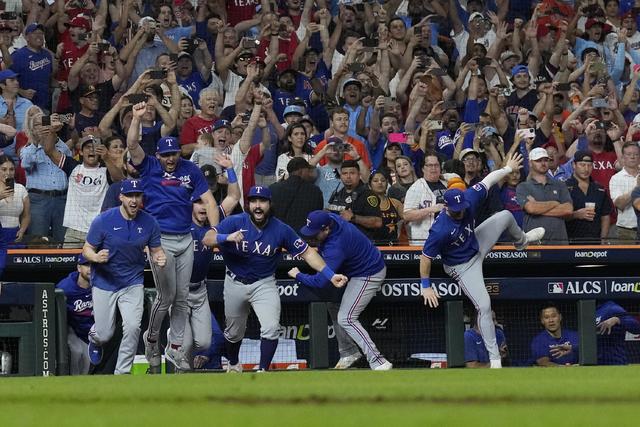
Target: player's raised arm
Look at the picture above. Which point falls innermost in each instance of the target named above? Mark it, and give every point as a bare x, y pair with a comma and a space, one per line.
512, 163
133, 135
429, 293
213, 215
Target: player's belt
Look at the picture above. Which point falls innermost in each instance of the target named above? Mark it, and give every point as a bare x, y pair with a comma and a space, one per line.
240, 279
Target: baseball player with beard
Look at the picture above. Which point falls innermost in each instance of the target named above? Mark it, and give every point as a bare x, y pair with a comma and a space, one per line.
201, 323
463, 248
170, 184
251, 244
115, 246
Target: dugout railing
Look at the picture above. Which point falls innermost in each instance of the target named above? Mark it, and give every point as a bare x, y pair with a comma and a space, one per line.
519, 282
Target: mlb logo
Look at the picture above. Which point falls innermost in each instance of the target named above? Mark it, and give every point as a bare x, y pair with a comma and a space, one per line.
555, 287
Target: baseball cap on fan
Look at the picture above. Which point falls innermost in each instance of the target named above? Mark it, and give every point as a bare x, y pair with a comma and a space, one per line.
316, 222
455, 201
538, 153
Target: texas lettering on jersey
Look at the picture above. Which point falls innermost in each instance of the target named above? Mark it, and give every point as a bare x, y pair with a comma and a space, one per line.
257, 248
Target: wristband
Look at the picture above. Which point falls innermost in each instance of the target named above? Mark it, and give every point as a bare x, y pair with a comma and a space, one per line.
231, 176
221, 238
327, 272
425, 282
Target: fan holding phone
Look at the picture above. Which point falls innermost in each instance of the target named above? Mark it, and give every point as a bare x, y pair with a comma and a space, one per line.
14, 208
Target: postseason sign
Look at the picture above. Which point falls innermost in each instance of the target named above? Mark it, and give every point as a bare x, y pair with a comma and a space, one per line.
605, 254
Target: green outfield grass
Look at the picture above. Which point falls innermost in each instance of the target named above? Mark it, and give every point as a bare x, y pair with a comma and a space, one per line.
578, 396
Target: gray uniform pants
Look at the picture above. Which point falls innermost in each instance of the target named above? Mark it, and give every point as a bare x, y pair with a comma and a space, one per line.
470, 277
357, 295
346, 346
130, 302
172, 285
79, 362
262, 296
197, 333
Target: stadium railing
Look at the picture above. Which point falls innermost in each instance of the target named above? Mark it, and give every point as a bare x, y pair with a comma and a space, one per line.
575, 278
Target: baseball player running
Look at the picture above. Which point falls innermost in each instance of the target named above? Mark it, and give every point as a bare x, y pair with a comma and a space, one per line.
463, 248
251, 244
348, 250
170, 184
198, 333
115, 246
77, 290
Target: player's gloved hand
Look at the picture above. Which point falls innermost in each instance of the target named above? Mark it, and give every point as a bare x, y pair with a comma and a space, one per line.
102, 256
604, 327
293, 272
431, 297
200, 361
159, 258
339, 280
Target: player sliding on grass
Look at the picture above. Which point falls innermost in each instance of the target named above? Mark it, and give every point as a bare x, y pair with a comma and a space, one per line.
454, 236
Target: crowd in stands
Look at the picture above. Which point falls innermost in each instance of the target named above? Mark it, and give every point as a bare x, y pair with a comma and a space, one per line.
369, 109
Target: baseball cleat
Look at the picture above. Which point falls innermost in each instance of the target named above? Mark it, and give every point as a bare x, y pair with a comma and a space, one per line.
386, 366
95, 353
236, 369
534, 235
151, 351
177, 357
496, 363
347, 361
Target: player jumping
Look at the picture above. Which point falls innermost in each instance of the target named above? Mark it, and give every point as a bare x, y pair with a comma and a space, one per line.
454, 236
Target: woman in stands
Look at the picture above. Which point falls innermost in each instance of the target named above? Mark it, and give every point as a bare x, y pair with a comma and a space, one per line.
186, 112
405, 177
390, 209
295, 145
14, 208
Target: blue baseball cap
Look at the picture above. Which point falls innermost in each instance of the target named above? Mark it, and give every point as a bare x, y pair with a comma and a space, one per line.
167, 144
455, 200
7, 74
82, 260
293, 109
316, 222
219, 124
130, 186
519, 69
33, 27
259, 192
